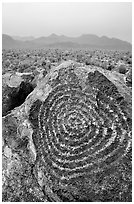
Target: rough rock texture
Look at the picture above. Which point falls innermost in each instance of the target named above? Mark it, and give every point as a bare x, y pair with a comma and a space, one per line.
128, 78
71, 139
15, 88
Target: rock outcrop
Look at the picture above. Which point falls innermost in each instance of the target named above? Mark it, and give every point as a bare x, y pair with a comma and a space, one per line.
70, 139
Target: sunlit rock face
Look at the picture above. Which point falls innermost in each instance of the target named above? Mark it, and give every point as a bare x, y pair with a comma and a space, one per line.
78, 135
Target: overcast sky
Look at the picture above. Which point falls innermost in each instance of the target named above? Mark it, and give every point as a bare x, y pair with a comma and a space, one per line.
71, 19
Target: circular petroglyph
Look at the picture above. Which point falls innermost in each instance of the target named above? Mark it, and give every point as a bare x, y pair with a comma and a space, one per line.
79, 131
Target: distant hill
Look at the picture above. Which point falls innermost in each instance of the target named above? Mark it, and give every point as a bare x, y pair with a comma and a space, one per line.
23, 38
8, 42
56, 41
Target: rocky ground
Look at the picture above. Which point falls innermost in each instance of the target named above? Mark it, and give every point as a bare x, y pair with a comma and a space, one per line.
66, 129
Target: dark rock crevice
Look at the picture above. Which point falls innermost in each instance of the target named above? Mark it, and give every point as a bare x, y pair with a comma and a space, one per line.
14, 97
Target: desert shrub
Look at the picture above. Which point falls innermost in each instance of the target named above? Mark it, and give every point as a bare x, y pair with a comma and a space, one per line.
122, 69
104, 65
88, 62
43, 63
110, 67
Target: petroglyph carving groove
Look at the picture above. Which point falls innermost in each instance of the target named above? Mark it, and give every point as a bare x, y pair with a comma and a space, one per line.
80, 131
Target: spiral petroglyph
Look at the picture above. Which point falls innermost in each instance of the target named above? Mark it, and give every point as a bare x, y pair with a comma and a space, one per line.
81, 129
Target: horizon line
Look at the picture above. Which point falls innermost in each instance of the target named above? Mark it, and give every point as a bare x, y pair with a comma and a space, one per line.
59, 35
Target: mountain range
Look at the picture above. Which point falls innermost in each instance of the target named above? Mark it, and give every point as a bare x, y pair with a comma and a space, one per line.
62, 41
21, 38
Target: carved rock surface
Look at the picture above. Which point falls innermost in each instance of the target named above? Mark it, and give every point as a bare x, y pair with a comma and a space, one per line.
73, 132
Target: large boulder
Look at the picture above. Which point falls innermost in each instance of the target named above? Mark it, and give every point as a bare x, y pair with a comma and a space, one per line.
71, 139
